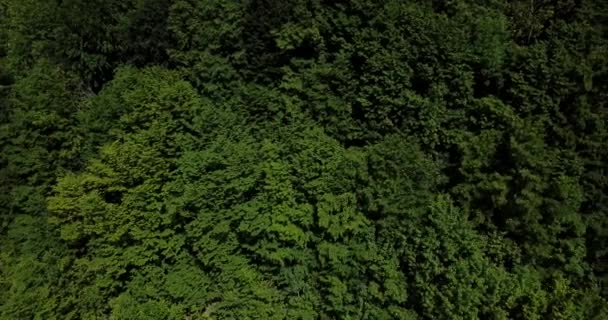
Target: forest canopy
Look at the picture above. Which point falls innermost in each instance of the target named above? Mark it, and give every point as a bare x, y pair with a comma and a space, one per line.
303, 159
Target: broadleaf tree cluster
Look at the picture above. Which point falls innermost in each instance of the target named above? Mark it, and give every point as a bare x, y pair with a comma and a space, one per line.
303, 159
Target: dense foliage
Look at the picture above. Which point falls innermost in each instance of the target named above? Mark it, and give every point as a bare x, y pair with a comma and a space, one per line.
303, 159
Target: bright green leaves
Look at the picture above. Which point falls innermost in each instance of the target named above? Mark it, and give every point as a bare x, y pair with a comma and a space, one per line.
123, 213
337, 216
117, 210
267, 221
262, 200
126, 307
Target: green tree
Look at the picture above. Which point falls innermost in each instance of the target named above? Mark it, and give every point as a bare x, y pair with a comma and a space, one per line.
39, 142
88, 38
262, 159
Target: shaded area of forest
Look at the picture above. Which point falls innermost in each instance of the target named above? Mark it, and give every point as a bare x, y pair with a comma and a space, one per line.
303, 159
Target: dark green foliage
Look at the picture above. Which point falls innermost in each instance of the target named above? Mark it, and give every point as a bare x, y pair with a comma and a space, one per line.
205, 159
40, 139
91, 38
